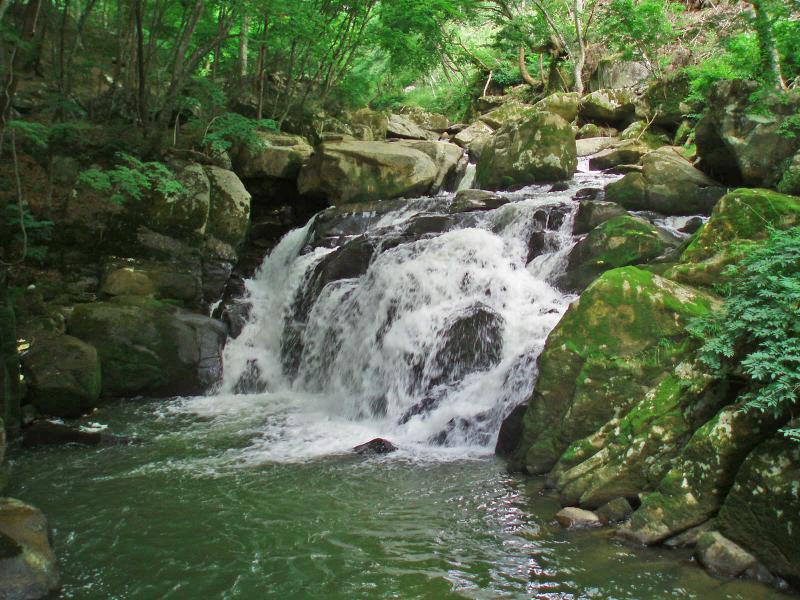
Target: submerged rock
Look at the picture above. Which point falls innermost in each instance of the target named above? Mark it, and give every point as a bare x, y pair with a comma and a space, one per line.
376, 446
45, 433
614, 511
721, 556
577, 518
476, 200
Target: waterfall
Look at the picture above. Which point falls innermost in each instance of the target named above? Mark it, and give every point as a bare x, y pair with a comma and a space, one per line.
410, 320
468, 180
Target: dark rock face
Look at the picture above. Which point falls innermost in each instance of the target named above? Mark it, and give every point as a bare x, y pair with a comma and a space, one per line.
44, 433
376, 446
510, 431
593, 213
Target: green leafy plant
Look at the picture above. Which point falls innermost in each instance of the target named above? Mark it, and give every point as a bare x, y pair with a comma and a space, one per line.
132, 179
232, 128
757, 333
38, 232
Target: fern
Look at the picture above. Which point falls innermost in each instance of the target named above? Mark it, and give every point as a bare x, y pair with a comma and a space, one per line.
232, 128
758, 332
133, 178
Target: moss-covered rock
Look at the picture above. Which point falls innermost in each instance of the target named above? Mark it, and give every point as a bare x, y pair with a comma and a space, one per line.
376, 121
762, 510
146, 346
178, 280
590, 130
627, 152
564, 104
426, 120
183, 215
510, 112
592, 213
280, 157
404, 128
63, 375
613, 344
668, 184
694, 488
28, 566
618, 242
474, 138
538, 149
790, 179
642, 131
740, 218
608, 106
663, 101
229, 215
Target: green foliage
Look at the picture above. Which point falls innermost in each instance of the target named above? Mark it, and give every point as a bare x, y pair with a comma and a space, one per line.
232, 128
133, 178
738, 60
30, 131
638, 29
38, 232
757, 333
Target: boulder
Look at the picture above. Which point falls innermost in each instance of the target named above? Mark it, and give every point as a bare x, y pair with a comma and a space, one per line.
614, 74
619, 242
229, 216
427, 120
762, 508
668, 184
147, 347
510, 431
346, 172
28, 566
476, 200
376, 446
592, 145
690, 537
615, 511
280, 156
577, 518
598, 361
663, 101
721, 556
739, 219
179, 216
449, 160
592, 213
591, 130
474, 138
403, 127
63, 375
644, 132
538, 149
741, 146
376, 121
608, 106
510, 112
618, 153
564, 104
159, 279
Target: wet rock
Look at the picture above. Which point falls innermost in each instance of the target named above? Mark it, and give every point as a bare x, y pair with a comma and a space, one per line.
376, 446
692, 225
560, 186
63, 376
476, 200
229, 215
689, 538
403, 127
721, 556
589, 146
592, 213
620, 153
587, 194
510, 431
614, 511
474, 138
608, 106
577, 518
668, 184
28, 566
45, 433
535, 150
422, 407
281, 156
346, 172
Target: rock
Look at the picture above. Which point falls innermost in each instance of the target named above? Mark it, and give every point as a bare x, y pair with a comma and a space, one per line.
510, 112
474, 138
229, 215
740, 218
346, 172
486, 103
510, 431
376, 121
689, 538
740, 146
663, 101
692, 225
588, 146
427, 120
28, 566
595, 363
449, 161
476, 200
577, 518
165, 280
563, 104
668, 184
614, 74
762, 508
618, 153
401, 126
539, 149
593, 130
618, 242
376, 446
723, 557
280, 157
642, 131
608, 106
587, 194
45, 433
614, 511
592, 213
63, 375
178, 216
146, 347
559, 186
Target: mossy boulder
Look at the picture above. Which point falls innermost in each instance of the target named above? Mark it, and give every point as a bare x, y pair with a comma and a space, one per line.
426, 120
148, 347
641, 131
63, 375
178, 280
28, 566
229, 215
630, 455
564, 104
474, 138
695, 487
590, 130
404, 128
510, 112
377, 122
741, 218
618, 242
280, 156
762, 510
182, 215
663, 101
593, 146
613, 344
592, 213
625, 152
448, 159
538, 149
668, 184
609, 106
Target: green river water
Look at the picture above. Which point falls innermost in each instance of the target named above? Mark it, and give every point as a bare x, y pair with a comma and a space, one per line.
198, 508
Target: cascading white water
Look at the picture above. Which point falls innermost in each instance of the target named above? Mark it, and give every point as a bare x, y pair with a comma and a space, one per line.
468, 180
430, 345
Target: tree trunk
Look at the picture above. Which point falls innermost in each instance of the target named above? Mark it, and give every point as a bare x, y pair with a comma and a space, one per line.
523, 69
243, 46
580, 53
